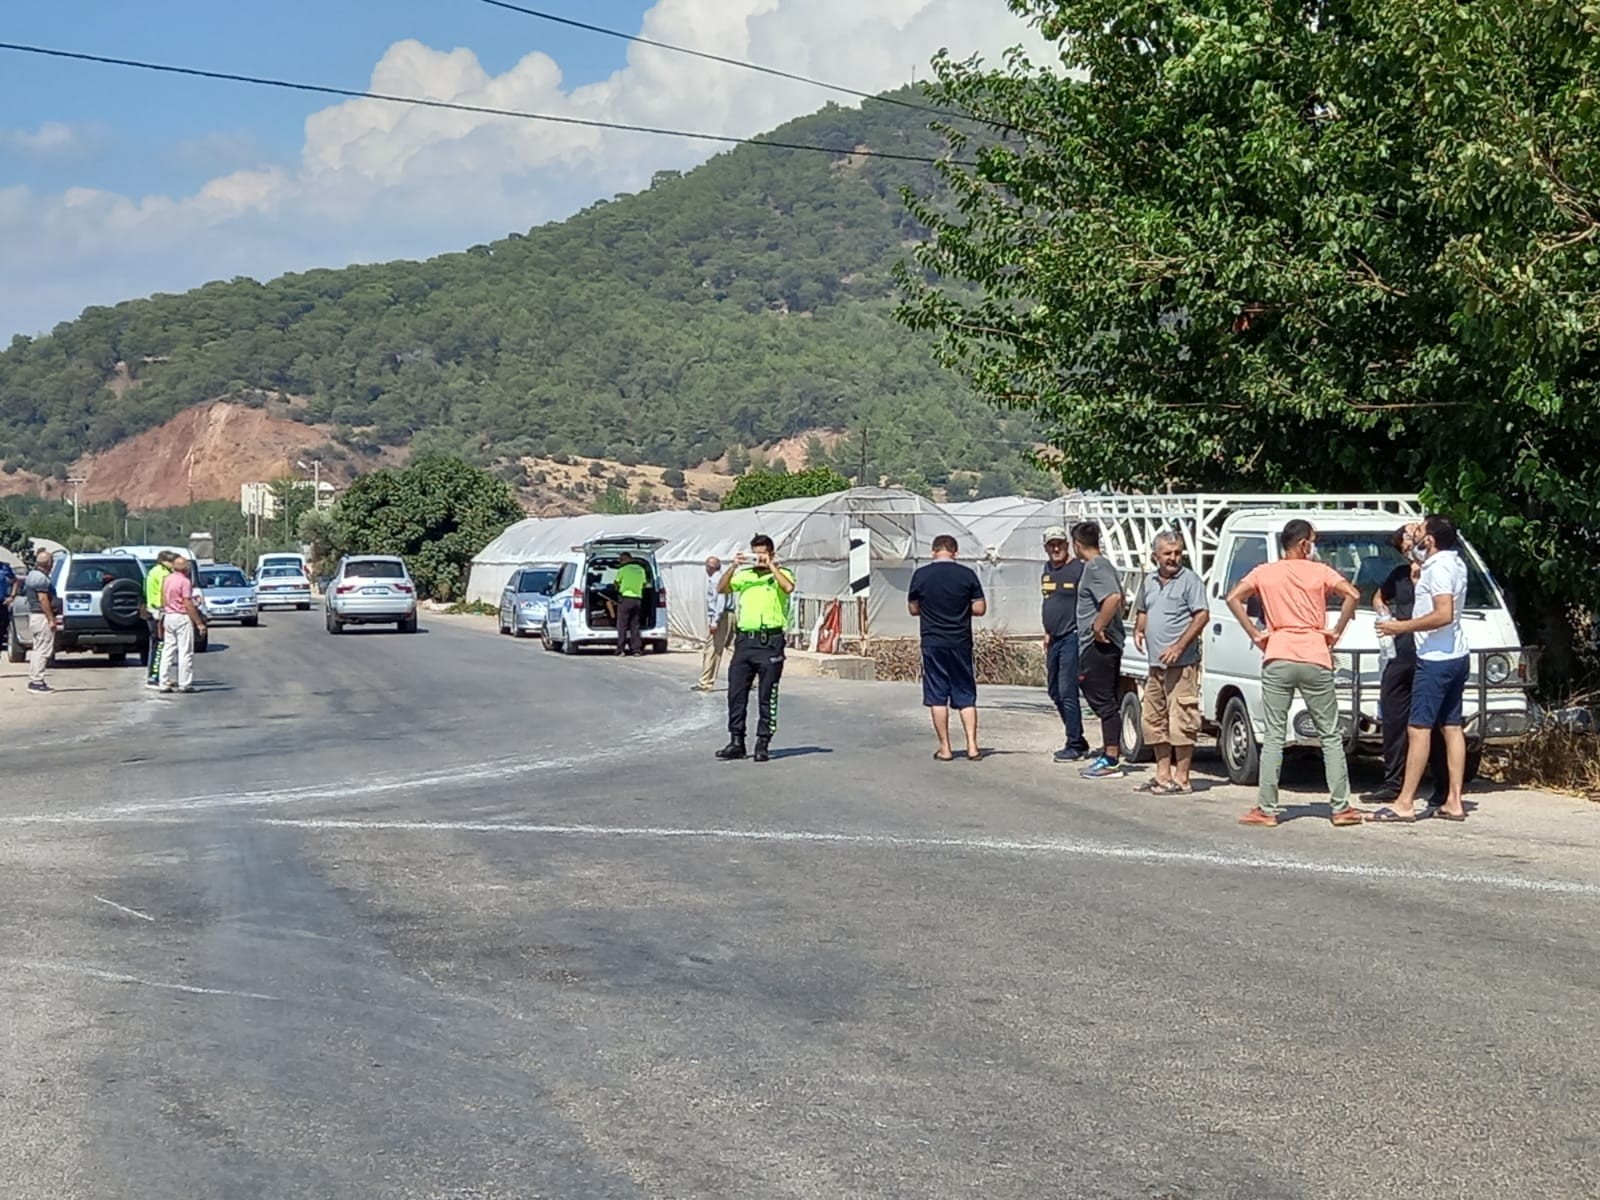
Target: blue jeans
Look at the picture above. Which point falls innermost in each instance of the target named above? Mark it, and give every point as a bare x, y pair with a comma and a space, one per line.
1061, 672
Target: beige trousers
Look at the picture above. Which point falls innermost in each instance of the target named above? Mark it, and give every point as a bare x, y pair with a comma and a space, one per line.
721, 634
43, 634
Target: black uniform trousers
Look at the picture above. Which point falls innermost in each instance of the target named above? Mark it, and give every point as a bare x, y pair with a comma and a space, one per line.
630, 625
756, 656
1395, 699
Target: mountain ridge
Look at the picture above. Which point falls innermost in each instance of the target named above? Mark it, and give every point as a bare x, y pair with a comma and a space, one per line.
735, 305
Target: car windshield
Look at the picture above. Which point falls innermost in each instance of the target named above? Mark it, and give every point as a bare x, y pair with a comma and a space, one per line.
228, 578
540, 581
374, 568
280, 572
1366, 559
96, 573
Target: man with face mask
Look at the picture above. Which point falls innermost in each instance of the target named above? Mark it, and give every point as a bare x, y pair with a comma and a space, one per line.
1443, 665
1058, 584
1395, 599
1297, 656
1172, 612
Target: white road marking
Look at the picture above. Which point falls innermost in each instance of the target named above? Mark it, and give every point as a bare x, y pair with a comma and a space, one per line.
1032, 847
60, 968
485, 772
132, 912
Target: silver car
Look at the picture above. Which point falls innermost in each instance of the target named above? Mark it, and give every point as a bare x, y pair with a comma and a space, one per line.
222, 593
527, 597
371, 589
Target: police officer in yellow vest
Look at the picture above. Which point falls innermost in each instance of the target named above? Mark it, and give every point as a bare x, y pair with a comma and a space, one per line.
630, 584
761, 591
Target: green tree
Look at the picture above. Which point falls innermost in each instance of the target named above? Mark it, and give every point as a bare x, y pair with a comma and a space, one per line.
763, 487
12, 537
1320, 245
437, 514
612, 500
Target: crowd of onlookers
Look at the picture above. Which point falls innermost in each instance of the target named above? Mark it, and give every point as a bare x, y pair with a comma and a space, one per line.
1425, 652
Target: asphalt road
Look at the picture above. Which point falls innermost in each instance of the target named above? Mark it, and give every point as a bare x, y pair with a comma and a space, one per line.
445, 916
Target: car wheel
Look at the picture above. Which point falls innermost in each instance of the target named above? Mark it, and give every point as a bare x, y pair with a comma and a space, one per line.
15, 651
548, 642
118, 656
334, 624
568, 646
1237, 742
409, 624
504, 629
303, 607
659, 647
1133, 747
202, 643
250, 622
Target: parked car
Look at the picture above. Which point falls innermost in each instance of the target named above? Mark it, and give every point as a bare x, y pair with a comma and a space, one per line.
371, 589
526, 598
222, 593
101, 609
582, 613
279, 585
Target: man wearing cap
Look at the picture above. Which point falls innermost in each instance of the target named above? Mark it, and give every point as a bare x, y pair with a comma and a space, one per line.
1059, 586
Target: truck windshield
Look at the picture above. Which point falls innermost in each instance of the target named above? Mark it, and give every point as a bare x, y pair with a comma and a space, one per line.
1366, 559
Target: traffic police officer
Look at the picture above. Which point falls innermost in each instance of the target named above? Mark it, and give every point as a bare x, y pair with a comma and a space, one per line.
761, 591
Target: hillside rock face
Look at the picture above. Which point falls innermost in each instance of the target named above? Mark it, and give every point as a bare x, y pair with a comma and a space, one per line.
204, 453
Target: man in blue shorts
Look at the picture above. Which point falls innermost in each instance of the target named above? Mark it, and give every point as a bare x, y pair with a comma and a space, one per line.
945, 595
1443, 664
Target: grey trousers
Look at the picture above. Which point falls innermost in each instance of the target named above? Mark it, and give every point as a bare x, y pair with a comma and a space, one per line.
1280, 680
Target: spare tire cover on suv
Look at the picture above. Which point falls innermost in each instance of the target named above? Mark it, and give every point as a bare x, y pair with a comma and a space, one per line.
120, 602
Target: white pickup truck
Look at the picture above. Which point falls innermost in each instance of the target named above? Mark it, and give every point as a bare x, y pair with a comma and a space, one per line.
1226, 537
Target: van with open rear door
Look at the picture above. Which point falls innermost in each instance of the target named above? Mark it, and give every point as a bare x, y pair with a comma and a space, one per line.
583, 611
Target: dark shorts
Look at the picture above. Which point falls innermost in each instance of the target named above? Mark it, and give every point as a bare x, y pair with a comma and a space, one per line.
947, 678
1436, 693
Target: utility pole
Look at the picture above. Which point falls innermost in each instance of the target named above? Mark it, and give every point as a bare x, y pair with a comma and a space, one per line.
861, 475
77, 481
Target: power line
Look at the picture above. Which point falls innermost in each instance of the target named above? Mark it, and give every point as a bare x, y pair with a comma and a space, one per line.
708, 56
457, 106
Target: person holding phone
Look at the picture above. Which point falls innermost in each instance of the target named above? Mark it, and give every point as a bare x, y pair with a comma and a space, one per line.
761, 590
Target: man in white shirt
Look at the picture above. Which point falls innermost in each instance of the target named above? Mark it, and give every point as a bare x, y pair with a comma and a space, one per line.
1443, 664
719, 626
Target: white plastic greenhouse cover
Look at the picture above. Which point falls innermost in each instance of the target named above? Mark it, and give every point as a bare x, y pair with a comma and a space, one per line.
812, 537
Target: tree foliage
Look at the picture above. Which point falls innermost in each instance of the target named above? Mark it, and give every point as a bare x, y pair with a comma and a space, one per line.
1309, 245
12, 537
436, 514
744, 302
763, 487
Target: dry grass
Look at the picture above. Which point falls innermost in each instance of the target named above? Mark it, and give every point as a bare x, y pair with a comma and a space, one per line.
998, 660
1555, 757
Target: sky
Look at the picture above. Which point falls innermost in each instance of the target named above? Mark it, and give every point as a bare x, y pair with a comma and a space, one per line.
117, 183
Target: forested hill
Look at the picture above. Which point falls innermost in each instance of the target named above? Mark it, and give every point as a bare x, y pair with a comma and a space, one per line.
742, 302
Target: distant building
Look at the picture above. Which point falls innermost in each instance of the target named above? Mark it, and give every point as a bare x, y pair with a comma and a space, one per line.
260, 500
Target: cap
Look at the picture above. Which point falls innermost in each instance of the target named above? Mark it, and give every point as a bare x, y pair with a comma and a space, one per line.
1057, 533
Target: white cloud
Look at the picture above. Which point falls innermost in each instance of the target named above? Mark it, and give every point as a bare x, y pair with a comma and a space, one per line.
377, 180
53, 142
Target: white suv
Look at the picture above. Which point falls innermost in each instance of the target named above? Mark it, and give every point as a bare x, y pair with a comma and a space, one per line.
100, 608
371, 589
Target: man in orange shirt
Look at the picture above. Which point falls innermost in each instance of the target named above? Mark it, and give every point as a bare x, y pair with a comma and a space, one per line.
1297, 650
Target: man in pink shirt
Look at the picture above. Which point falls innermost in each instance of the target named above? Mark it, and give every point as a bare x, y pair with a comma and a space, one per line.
1297, 649
180, 619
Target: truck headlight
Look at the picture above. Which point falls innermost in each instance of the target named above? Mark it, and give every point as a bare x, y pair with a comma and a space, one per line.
1497, 668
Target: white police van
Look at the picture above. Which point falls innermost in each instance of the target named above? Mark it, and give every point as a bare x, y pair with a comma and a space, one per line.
582, 612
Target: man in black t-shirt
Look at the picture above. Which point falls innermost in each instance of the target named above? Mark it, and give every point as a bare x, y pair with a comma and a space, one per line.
1058, 584
945, 596
1397, 593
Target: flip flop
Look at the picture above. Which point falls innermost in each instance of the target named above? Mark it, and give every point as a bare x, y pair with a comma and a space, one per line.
1439, 814
937, 757
978, 757
1152, 787
1388, 816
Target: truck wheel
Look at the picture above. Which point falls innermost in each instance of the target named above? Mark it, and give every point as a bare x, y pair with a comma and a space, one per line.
1474, 763
1237, 742
1133, 747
